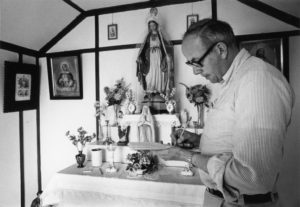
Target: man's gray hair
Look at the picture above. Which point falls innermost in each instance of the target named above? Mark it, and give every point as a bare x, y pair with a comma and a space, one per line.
211, 31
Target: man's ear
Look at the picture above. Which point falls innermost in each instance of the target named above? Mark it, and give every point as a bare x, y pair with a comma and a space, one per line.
222, 50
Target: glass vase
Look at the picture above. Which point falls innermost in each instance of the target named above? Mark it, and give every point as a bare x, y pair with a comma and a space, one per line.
113, 111
110, 153
200, 120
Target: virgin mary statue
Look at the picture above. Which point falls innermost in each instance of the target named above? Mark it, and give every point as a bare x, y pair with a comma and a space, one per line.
155, 69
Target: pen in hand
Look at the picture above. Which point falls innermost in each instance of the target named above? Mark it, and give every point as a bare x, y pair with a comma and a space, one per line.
183, 130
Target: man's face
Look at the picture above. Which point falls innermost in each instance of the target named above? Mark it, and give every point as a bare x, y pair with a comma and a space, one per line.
194, 50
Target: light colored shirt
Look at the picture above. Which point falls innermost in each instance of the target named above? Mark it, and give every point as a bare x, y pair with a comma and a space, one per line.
246, 127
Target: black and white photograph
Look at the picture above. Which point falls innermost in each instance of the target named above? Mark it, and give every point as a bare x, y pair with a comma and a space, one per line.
65, 77
269, 50
112, 31
191, 19
21, 86
143, 103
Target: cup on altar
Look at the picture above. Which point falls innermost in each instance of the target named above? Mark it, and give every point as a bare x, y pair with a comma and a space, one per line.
96, 157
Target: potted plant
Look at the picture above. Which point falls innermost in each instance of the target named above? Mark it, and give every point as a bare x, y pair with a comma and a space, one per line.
141, 162
79, 141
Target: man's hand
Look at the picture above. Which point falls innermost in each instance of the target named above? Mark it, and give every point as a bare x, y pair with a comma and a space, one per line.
179, 154
186, 137
173, 153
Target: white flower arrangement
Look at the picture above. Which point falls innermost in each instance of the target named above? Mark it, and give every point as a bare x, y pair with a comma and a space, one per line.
81, 139
116, 94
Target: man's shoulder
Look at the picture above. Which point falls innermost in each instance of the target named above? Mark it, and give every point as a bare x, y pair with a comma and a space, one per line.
255, 69
261, 75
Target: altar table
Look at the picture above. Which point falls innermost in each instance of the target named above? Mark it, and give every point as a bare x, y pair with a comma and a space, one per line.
91, 186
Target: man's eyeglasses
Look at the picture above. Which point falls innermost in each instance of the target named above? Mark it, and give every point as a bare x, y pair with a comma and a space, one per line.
198, 63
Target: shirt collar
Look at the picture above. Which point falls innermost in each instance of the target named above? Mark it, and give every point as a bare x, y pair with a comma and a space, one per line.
238, 60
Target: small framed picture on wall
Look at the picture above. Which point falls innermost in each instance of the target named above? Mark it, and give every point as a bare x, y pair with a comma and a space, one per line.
21, 86
112, 31
191, 19
270, 50
65, 77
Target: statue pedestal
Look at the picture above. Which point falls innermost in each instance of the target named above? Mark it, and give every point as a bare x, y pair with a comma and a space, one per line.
163, 124
156, 104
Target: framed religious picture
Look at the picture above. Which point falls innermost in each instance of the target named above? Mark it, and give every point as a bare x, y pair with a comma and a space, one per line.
271, 50
65, 77
191, 19
21, 86
112, 31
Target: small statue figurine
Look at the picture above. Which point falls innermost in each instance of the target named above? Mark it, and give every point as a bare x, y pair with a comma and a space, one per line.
123, 132
146, 132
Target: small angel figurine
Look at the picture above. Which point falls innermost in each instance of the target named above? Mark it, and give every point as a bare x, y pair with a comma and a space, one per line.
146, 132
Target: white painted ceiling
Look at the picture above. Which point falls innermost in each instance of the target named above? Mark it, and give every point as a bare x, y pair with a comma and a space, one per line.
290, 6
33, 23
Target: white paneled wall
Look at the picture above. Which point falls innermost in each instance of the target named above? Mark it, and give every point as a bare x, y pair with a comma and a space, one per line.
289, 180
33, 23
9, 146
81, 37
30, 149
59, 116
246, 20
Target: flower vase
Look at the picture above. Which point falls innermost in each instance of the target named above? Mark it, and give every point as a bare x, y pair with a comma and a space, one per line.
100, 131
117, 110
113, 111
200, 110
80, 158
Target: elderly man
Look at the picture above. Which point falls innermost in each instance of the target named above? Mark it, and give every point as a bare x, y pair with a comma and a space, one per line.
242, 141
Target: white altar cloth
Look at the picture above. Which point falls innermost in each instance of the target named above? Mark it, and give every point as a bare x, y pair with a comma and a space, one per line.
88, 187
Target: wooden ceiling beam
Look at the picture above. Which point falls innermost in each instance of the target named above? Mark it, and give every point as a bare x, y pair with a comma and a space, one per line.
135, 6
73, 5
214, 12
62, 33
273, 12
18, 49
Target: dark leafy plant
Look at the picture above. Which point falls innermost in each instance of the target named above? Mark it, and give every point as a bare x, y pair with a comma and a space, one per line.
142, 161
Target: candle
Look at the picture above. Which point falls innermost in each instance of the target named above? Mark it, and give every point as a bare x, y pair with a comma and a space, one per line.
96, 157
